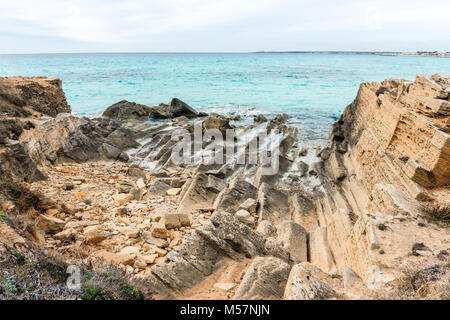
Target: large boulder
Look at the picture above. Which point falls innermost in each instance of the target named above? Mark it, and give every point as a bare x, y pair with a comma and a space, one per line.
265, 279
176, 108
293, 237
79, 139
218, 122
125, 110
179, 108
307, 282
198, 195
232, 197
41, 95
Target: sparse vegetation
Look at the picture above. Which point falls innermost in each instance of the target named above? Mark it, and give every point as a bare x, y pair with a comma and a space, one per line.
43, 275
439, 214
419, 282
111, 282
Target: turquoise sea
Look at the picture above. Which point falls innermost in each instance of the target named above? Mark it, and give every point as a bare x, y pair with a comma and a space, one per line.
313, 88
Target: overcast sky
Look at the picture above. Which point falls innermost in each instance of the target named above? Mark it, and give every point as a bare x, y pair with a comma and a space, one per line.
30, 26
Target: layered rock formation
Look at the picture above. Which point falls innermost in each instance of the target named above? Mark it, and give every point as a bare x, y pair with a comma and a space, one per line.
388, 148
196, 230
21, 96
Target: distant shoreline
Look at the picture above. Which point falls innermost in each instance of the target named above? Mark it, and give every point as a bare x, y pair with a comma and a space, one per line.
382, 53
379, 53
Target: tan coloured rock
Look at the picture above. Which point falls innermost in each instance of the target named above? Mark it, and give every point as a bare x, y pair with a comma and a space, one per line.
122, 198
159, 230
175, 220
173, 191
307, 282
94, 237
66, 234
50, 224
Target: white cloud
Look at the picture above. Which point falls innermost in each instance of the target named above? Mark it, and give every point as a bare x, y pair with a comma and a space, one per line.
217, 25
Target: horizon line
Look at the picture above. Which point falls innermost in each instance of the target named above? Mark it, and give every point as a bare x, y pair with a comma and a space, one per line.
209, 52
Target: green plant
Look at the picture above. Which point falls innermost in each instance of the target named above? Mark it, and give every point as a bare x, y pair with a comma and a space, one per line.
2, 215
87, 276
20, 258
439, 214
53, 266
111, 282
133, 293
335, 276
381, 251
382, 227
8, 287
91, 293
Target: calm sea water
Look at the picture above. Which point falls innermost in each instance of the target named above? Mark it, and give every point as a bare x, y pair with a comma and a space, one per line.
312, 88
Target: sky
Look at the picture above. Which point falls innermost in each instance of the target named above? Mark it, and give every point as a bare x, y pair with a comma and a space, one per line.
49, 26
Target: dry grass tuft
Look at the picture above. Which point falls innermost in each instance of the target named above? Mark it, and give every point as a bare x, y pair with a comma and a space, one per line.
439, 214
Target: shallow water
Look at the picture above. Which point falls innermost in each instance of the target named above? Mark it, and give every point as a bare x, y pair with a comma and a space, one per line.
312, 88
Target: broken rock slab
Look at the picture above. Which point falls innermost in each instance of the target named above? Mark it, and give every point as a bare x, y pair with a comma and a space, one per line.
205, 251
245, 217
307, 282
175, 220
293, 237
249, 205
198, 195
231, 198
158, 188
274, 205
265, 279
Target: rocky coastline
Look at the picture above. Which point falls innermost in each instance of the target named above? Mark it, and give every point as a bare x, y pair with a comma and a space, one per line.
366, 217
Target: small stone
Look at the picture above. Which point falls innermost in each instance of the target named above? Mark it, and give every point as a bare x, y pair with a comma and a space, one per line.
96, 237
81, 224
224, 286
90, 229
267, 229
66, 234
51, 224
125, 186
52, 212
176, 220
80, 196
249, 205
130, 232
159, 231
260, 118
68, 187
122, 198
122, 211
130, 250
245, 217
173, 191
140, 183
160, 252
303, 168
137, 193
136, 173
149, 258
140, 264
303, 152
157, 242
80, 180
